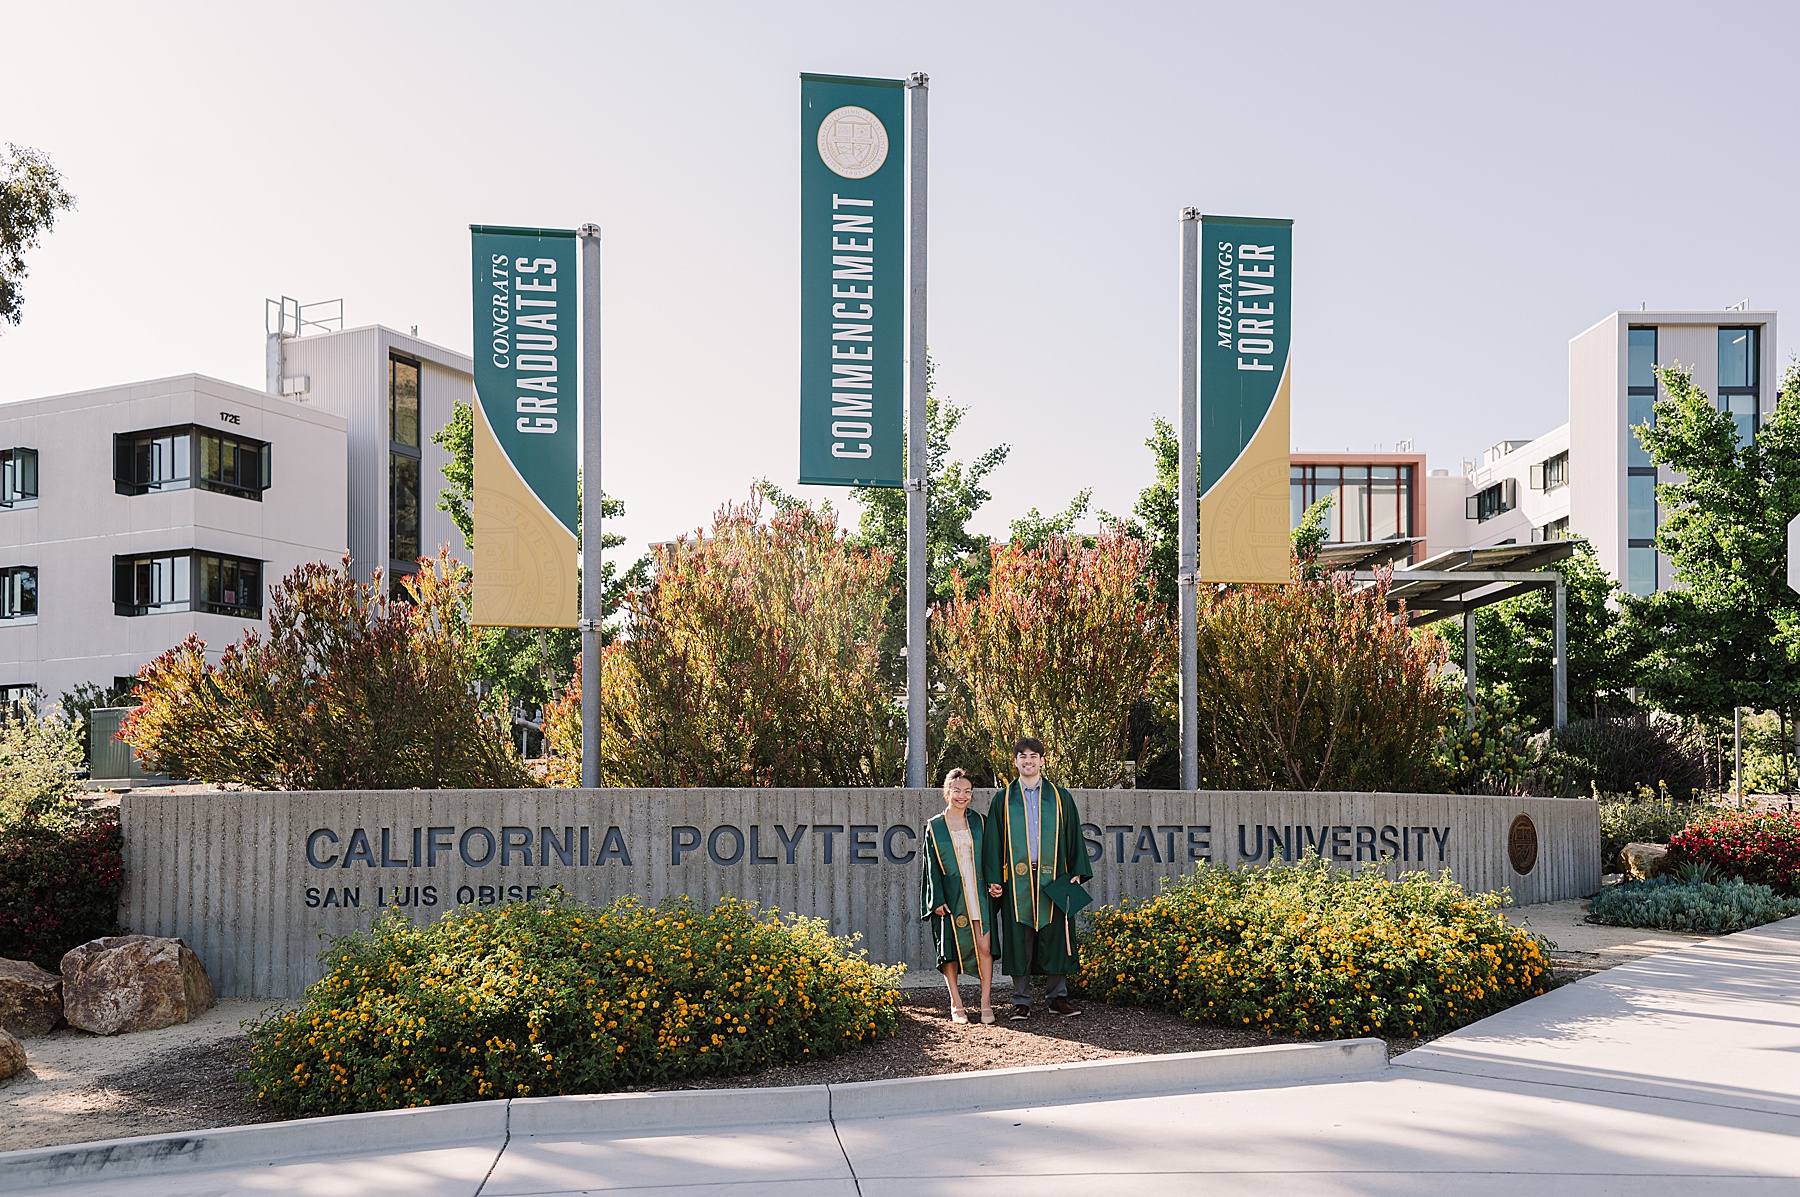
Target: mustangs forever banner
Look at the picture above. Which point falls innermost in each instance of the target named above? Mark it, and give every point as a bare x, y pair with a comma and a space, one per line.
1246, 319
525, 439
852, 280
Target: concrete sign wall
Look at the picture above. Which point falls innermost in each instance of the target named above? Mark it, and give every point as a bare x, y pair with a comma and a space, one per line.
254, 883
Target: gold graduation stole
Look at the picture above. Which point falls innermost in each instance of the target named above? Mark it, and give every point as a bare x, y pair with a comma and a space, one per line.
945, 848
1029, 905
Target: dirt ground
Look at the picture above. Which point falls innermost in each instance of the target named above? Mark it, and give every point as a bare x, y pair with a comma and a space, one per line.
82, 1087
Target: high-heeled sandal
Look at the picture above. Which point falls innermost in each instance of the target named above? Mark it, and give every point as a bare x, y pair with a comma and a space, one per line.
959, 1015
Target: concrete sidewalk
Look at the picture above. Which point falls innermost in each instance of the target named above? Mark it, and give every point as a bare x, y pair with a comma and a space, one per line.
1674, 1074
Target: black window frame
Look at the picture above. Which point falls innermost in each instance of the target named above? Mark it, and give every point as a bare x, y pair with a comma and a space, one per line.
405, 457
1753, 369
128, 479
1304, 478
1495, 499
1552, 473
1640, 391
192, 566
12, 494
28, 596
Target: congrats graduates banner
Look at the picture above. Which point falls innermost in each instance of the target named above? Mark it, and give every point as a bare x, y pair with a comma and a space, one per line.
1246, 315
852, 273
525, 441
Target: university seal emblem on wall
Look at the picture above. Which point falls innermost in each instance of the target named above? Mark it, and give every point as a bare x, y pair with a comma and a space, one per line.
853, 142
1522, 845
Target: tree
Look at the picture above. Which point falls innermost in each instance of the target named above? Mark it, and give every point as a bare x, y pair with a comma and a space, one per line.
1315, 685
1062, 644
753, 658
1728, 635
1158, 509
955, 491
349, 690
527, 666
1515, 642
31, 194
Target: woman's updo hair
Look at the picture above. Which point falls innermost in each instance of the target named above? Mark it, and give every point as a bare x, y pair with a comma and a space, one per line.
953, 776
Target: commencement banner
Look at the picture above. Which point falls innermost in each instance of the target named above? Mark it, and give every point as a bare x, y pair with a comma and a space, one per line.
1246, 316
525, 441
852, 275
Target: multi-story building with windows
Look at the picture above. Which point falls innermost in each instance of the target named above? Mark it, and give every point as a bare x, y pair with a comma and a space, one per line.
1592, 476
132, 516
1375, 496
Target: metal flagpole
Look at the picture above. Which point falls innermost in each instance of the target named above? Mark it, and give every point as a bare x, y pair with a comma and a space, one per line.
917, 593
1187, 577
592, 587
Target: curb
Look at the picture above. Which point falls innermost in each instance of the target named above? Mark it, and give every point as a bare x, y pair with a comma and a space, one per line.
491, 1123
1101, 1080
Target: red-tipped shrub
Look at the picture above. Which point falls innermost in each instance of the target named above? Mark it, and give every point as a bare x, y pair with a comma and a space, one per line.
1760, 846
59, 886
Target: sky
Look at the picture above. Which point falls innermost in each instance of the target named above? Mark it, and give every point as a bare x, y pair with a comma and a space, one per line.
1471, 186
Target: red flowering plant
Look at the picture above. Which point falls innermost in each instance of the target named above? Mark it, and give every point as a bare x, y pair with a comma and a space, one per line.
1761, 846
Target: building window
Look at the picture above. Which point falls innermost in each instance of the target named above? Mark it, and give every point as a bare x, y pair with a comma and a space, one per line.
1738, 389
1369, 502
18, 593
19, 695
1494, 500
1640, 472
403, 467
162, 459
1554, 530
18, 477
1551, 473
187, 581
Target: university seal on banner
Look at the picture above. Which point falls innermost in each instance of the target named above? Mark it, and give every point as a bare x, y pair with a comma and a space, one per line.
853, 142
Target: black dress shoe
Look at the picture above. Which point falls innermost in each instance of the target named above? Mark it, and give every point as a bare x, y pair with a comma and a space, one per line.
1062, 1007
1020, 1013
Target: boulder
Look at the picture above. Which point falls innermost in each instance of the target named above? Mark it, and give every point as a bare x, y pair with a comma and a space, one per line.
126, 983
30, 998
1644, 861
12, 1055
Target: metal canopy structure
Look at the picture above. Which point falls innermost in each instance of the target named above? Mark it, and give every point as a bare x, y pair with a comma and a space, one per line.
1464, 581
1361, 555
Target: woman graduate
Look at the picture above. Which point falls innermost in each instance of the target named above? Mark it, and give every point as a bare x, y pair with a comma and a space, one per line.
953, 897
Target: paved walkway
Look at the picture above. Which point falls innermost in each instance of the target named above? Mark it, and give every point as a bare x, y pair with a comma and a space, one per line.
1679, 1073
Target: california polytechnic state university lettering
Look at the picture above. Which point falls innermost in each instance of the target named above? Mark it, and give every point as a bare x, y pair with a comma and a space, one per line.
1246, 321
526, 371
852, 275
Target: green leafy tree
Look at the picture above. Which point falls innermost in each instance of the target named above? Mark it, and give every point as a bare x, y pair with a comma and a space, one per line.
753, 659
1158, 511
1728, 635
350, 689
527, 666
1062, 644
31, 194
38, 759
1034, 529
1515, 642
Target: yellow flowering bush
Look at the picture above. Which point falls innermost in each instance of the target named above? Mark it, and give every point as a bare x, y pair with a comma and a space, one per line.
1306, 949
553, 997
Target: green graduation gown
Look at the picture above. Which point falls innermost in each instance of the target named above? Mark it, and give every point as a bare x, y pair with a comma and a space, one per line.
943, 886
1062, 852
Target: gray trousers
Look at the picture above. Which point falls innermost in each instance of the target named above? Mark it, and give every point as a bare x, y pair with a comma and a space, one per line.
1055, 984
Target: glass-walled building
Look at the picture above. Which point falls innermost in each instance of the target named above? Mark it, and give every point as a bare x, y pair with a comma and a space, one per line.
1375, 496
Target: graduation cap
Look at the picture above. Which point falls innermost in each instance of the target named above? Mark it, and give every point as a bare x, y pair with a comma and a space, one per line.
1067, 894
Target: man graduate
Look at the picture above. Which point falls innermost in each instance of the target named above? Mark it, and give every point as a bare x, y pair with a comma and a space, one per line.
1032, 856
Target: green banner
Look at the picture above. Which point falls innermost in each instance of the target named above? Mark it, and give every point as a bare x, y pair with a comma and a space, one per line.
526, 450
1246, 321
852, 276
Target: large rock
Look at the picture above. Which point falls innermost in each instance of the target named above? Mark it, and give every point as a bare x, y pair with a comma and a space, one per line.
12, 1056
30, 998
1644, 861
126, 983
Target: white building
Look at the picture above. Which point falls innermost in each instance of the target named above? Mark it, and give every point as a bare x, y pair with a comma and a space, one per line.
1591, 476
216, 492
139, 514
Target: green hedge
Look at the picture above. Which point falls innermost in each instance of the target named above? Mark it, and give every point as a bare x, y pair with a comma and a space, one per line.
552, 997
59, 885
1691, 904
1305, 949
